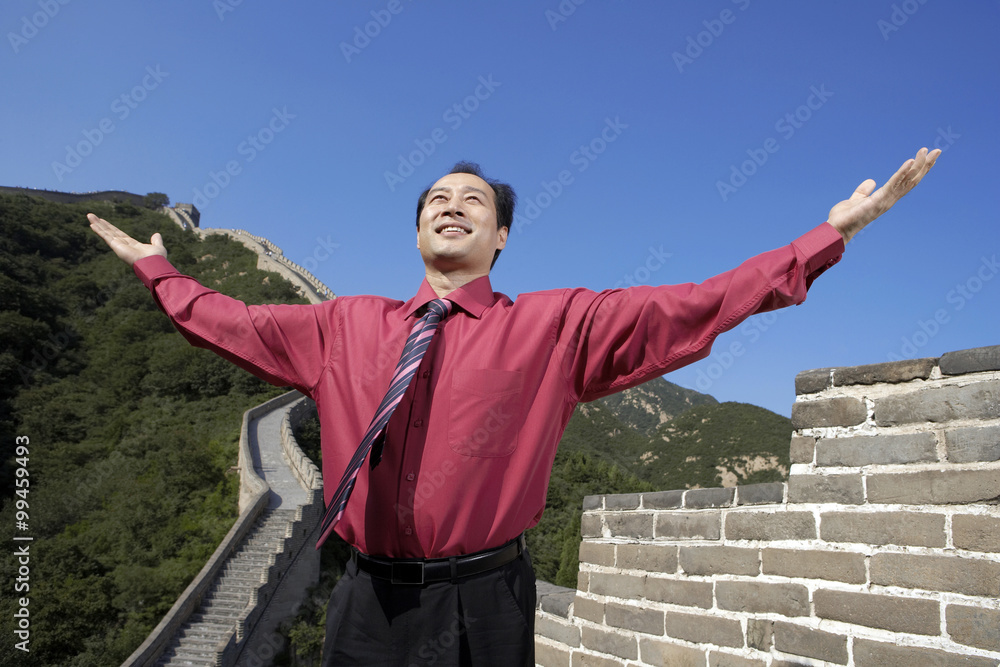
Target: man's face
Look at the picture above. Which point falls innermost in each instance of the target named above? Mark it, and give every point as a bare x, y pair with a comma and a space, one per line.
458, 225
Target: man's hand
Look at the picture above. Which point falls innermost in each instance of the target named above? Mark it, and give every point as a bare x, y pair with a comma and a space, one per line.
851, 215
126, 247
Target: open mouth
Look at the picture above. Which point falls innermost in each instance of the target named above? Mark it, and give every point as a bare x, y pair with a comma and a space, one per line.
453, 230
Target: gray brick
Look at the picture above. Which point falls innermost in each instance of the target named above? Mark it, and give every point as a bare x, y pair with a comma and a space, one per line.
976, 533
593, 503
547, 655
829, 565
679, 591
770, 526
591, 525
582, 581
597, 553
554, 599
663, 500
841, 411
719, 659
971, 361
812, 381
810, 643
704, 498
757, 597
974, 626
868, 653
588, 609
841, 489
876, 449
922, 617
621, 501
559, 631
629, 524
658, 652
647, 557
802, 449
889, 372
711, 560
977, 443
587, 660
689, 525
604, 641
937, 573
760, 634
760, 494
637, 619
624, 586
914, 529
705, 629
935, 487
979, 400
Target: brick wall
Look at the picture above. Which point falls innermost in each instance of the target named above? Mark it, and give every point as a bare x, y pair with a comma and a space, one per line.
883, 548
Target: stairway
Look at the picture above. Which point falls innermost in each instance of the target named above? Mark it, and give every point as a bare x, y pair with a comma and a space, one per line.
198, 639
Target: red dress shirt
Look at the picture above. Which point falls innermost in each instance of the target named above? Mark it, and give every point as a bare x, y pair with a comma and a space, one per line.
470, 448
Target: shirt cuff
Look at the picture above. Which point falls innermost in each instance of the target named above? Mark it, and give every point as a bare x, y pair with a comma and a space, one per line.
821, 247
149, 269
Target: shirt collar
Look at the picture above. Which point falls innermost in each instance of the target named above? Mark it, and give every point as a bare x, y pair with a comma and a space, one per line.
473, 297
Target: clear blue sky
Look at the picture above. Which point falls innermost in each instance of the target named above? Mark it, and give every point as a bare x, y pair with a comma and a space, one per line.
311, 114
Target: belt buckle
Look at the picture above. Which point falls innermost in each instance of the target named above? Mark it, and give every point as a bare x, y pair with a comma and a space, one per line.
407, 572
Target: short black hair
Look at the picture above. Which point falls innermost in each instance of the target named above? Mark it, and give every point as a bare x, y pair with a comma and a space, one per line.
503, 195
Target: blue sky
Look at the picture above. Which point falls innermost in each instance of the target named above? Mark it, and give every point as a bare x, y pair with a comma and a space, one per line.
649, 142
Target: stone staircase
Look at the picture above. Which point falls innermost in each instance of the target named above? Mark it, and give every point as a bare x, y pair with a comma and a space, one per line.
198, 641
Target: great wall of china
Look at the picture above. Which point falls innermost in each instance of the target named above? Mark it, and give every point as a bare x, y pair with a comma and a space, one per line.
882, 548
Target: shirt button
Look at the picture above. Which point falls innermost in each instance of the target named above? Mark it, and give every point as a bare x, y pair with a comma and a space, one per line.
418, 423
408, 530
409, 477
425, 374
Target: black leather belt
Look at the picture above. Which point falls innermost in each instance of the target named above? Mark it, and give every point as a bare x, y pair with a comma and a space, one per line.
417, 571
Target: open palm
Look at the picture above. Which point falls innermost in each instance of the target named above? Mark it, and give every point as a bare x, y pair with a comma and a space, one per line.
851, 215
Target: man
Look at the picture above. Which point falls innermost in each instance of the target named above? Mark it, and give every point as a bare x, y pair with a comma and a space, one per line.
439, 573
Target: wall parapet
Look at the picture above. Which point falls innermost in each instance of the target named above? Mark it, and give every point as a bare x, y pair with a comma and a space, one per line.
883, 548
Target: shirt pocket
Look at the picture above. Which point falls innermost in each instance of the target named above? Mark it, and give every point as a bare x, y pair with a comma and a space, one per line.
484, 412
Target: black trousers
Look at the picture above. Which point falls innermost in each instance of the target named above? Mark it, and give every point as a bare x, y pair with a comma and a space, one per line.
485, 619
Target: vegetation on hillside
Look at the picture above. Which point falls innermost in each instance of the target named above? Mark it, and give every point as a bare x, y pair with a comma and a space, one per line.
130, 431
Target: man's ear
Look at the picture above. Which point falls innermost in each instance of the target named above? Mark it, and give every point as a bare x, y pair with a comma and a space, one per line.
502, 233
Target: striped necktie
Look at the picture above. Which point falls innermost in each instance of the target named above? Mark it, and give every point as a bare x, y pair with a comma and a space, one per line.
417, 343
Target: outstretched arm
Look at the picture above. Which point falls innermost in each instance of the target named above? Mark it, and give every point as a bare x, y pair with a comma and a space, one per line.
852, 215
127, 248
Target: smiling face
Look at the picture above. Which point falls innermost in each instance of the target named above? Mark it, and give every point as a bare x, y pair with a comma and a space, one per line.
458, 226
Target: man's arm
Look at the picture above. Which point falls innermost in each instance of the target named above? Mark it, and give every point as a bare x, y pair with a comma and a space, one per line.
281, 344
852, 215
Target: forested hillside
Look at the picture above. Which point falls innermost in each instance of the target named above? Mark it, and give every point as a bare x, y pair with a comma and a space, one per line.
130, 432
